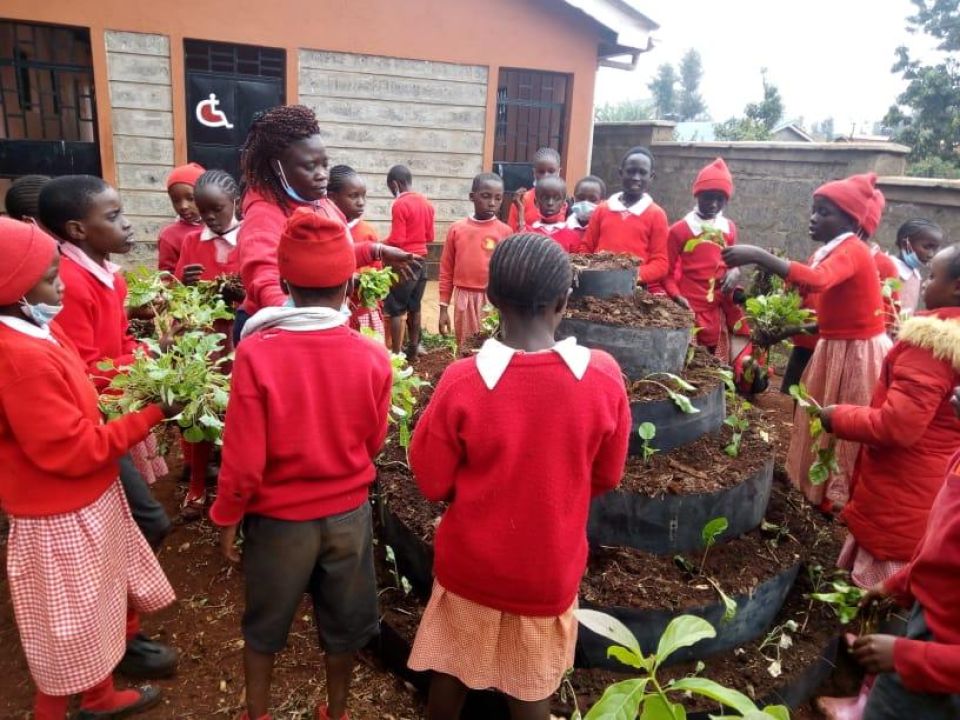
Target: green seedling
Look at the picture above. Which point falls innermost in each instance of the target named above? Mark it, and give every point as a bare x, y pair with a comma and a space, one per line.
682, 402
770, 316
710, 533
435, 341
709, 234
145, 286
826, 463
844, 599
374, 285
773, 645
402, 581
737, 419
403, 397
647, 432
490, 323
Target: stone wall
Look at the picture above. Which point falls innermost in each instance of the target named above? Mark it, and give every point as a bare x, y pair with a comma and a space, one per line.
909, 198
138, 67
611, 140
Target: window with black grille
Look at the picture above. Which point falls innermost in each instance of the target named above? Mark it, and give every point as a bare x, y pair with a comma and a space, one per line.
250, 60
532, 111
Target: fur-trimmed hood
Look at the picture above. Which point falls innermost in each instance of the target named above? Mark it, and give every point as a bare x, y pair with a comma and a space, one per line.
937, 331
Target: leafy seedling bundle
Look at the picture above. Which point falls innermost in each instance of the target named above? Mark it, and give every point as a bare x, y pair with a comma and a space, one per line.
403, 396
374, 286
770, 316
826, 463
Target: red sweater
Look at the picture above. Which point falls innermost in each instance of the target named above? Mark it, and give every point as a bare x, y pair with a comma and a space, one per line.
466, 254
204, 252
887, 270
411, 226
307, 413
849, 304
263, 222
909, 433
519, 483
95, 319
931, 580
56, 454
170, 243
643, 235
566, 237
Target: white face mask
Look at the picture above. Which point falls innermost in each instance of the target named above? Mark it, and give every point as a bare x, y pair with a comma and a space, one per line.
41, 313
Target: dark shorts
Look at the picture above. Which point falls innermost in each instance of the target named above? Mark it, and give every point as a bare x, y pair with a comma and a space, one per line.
331, 559
406, 296
799, 359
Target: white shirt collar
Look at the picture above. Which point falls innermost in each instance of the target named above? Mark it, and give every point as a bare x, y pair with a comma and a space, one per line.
821, 254
488, 220
353, 223
104, 273
28, 328
294, 319
697, 223
548, 227
230, 236
615, 203
494, 358
573, 222
905, 271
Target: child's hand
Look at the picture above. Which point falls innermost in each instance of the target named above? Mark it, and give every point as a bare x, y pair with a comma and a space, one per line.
407, 264
171, 410
518, 198
737, 255
444, 320
228, 544
192, 273
730, 280
875, 595
826, 417
875, 652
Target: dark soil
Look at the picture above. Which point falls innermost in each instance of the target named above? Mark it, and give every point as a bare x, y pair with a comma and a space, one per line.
641, 310
604, 261
398, 489
701, 372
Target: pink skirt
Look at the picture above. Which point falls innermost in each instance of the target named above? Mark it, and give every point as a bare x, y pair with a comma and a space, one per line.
865, 570
840, 372
467, 312
524, 657
71, 577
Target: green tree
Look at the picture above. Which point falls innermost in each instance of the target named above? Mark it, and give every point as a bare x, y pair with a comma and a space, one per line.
623, 111
759, 118
691, 105
664, 90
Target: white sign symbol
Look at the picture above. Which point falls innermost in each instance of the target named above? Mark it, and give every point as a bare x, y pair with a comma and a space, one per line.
209, 115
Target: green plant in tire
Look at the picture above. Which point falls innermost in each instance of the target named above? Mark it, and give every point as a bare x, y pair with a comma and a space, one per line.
647, 696
647, 432
374, 285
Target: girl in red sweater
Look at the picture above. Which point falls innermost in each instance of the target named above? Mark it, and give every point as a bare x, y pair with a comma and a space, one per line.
846, 363
630, 222
550, 196
180, 188
512, 547
75, 556
546, 163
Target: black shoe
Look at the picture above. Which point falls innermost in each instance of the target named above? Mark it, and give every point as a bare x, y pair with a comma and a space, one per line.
149, 696
146, 659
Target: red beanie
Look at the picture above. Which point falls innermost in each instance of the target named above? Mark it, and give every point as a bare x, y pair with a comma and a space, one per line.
187, 174
871, 222
853, 195
314, 251
26, 252
715, 176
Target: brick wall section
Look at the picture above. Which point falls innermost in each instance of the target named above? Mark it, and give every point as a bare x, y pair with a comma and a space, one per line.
138, 67
376, 112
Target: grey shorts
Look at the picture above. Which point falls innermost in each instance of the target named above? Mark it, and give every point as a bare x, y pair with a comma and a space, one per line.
331, 559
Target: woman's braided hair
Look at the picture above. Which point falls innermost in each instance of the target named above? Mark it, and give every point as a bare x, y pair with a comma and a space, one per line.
270, 134
529, 273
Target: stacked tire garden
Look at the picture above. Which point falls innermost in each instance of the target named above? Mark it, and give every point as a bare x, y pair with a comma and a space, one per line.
696, 525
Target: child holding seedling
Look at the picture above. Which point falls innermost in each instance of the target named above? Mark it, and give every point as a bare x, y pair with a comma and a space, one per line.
546, 163
511, 548
180, 187
550, 197
75, 557
465, 262
307, 413
917, 242
846, 363
631, 222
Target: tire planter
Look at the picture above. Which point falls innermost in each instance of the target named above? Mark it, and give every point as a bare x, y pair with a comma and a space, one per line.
604, 283
639, 350
414, 557
674, 427
668, 524
755, 613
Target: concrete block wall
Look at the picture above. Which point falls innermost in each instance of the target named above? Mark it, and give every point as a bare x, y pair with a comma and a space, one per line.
141, 106
909, 198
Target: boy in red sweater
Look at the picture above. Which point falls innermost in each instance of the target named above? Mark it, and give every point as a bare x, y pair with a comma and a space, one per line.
630, 222
307, 413
512, 547
180, 186
411, 230
75, 557
546, 163
466, 255
551, 198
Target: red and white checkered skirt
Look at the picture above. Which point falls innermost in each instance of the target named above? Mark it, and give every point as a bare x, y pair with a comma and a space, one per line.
468, 312
70, 578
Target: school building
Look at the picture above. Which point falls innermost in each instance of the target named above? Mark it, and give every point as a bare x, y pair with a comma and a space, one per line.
128, 90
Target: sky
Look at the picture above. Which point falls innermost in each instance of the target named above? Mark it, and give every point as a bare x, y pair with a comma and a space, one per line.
829, 58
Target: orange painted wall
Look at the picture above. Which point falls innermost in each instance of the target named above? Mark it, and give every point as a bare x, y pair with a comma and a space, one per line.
532, 34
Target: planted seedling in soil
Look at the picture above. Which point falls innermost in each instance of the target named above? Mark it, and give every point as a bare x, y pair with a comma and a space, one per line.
374, 285
647, 432
683, 403
709, 535
435, 341
403, 398
826, 463
737, 419
490, 323
647, 696
775, 642
402, 582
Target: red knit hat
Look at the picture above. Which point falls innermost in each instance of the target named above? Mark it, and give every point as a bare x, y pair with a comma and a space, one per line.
715, 176
314, 251
871, 222
187, 174
853, 195
26, 252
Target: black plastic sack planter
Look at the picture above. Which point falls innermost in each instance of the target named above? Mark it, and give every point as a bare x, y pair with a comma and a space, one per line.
639, 350
604, 283
755, 613
676, 428
668, 524
414, 556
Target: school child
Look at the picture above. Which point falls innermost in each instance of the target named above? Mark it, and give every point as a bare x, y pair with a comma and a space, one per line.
86, 215
208, 254
846, 363
411, 230
630, 222
284, 164
886, 268
22, 197
546, 163
590, 189
75, 558
588, 193
511, 547
307, 413
917, 242
348, 190
180, 186
550, 197
465, 261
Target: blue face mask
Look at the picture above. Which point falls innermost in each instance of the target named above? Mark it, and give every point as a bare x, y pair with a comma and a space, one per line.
910, 259
291, 193
41, 313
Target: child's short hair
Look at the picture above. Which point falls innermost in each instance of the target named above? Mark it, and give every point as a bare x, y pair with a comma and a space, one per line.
339, 175
592, 179
219, 179
548, 181
400, 174
917, 225
482, 178
636, 150
270, 134
528, 273
23, 197
66, 198
546, 153
953, 268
